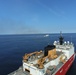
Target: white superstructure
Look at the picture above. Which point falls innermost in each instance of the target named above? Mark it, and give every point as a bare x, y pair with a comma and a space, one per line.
66, 50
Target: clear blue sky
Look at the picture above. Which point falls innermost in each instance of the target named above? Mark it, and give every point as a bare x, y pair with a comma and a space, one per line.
37, 16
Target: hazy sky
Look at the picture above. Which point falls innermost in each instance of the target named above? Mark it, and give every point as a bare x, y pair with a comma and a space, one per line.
37, 16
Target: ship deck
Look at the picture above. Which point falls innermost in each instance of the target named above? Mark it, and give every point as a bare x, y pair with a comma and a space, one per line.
20, 71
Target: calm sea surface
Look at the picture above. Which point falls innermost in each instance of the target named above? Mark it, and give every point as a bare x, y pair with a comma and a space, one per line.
13, 47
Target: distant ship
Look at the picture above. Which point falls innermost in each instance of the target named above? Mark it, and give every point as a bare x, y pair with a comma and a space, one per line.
55, 59
46, 35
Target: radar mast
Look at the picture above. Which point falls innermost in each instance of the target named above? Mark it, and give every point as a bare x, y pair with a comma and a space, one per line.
61, 38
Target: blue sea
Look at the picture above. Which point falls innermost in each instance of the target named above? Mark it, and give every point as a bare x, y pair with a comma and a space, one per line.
13, 47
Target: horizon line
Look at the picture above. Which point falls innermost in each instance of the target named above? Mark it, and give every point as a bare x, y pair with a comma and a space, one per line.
38, 33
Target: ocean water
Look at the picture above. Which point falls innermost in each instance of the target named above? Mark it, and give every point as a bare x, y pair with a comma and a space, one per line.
13, 47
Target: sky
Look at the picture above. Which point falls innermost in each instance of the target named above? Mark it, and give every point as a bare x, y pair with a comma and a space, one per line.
37, 16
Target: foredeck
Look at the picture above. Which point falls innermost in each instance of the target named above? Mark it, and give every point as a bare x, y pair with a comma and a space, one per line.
20, 71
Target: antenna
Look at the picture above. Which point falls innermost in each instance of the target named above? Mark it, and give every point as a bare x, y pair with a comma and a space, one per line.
61, 38
60, 33
71, 38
